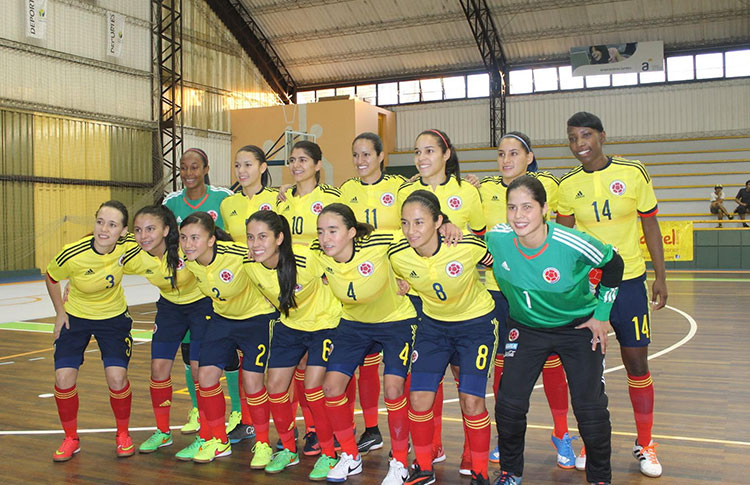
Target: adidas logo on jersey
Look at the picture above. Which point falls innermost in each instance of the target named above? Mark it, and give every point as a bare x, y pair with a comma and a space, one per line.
494, 198
579, 195
329, 270
89, 272
148, 271
505, 266
413, 274
354, 200
234, 213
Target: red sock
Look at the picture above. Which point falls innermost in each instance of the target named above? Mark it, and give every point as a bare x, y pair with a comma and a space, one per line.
437, 412
498, 373
398, 425
161, 401
369, 389
295, 398
340, 416
641, 389
67, 408
281, 410
246, 417
323, 428
120, 402
351, 394
260, 411
215, 408
421, 428
556, 390
205, 430
478, 431
299, 394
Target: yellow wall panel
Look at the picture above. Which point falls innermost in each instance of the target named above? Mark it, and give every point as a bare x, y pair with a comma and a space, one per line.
46, 147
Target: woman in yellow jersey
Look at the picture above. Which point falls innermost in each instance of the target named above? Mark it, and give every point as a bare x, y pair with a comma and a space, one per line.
241, 318
514, 159
458, 320
181, 307
309, 315
95, 306
355, 263
251, 171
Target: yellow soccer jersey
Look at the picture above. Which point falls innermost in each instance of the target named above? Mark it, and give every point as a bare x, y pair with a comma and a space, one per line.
227, 283
374, 203
302, 212
365, 285
461, 203
606, 204
495, 208
236, 208
317, 308
448, 281
155, 270
95, 290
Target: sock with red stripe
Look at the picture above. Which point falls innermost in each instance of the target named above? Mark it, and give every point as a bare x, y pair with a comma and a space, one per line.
437, 413
641, 389
556, 390
246, 417
478, 432
351, 394
498, 373
421, 428
67, 409
323, 428
281, 410
467, 449
340, 417
212, 399
398, 426
299, 395
205, 430
260, 412
121, 401
369, 389
161, 401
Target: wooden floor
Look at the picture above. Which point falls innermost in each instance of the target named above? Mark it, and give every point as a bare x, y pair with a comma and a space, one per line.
702, 418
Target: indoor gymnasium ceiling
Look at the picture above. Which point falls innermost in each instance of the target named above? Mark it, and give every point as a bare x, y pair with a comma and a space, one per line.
342, 41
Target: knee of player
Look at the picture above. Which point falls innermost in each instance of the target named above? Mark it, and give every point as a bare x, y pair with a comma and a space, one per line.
393, 391
472, 405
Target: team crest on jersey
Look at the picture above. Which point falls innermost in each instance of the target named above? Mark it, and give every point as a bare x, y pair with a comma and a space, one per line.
617, 187
414, 356
454, 269
180, 264
213, 214
551, 275
120, 261
366, 268
387, 199
316, 207
156, 327
513, 335
297, 288
226, 276
455, 202
265, 207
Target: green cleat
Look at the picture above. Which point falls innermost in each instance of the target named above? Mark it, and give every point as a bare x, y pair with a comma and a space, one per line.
193, 424
324, 465
281, 460
211, 449
262, 453
187, 453
156, 441
235, 418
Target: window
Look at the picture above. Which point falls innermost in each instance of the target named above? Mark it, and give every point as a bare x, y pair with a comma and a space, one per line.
598, 81
304, 97
347, 91
521, 81
367, 93
432, 89
680, 68
738, 63
652, 77
567, 81
545, 79
709, 66
625, 79
388, 93
322, 93
455, 87
478, 85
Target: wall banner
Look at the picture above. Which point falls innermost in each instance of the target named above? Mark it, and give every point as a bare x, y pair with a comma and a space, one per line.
36, 14
617, 58
677, 237
115, 34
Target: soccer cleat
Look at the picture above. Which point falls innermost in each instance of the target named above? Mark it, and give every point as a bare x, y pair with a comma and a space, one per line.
212, 449
125, 446
312, 447
193, 424
346, 466
566, 457
156, 441
369, 441
495, 455
506, 478
438, 454
235, 418
280, 445
465, 467
397, 473
262, 454
599, 483
322, 468
281, 460
581, 459
420, 477
241, 432
68, 448
646, 455
187, 453
479, 479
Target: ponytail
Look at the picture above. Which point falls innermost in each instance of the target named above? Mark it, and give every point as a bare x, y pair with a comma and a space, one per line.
347, 215
172, 239
451, 165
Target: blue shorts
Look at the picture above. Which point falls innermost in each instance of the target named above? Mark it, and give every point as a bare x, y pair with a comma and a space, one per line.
631, 313
288, 345
224, 335
353, 341
174, 321
112, 335
474, 342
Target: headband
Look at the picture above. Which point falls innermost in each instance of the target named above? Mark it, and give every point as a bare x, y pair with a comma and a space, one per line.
441, 137
200, 152
511, 135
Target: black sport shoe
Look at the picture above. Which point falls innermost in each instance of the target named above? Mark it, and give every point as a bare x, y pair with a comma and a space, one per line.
241, 432
479, 479
280, 445
420, 477
312, 447
369, 441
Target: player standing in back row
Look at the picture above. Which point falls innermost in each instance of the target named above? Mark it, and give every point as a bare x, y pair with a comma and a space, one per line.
606, 197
